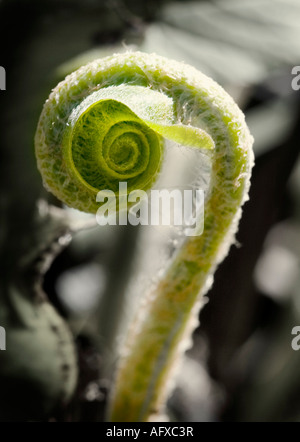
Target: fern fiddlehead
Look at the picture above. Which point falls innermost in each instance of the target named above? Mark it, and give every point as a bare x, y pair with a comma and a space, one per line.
105, 123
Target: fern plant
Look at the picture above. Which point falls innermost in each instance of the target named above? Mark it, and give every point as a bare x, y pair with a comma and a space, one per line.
106, 123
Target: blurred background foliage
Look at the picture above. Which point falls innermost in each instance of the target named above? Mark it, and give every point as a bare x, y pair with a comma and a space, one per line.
241, 366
